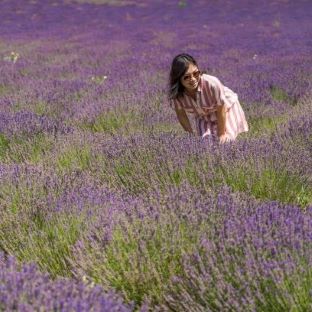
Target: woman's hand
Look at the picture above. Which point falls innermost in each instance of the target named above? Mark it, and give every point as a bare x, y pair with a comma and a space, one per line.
183, 119
224, 138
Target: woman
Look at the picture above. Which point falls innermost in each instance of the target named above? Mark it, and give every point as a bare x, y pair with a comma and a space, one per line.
216, 108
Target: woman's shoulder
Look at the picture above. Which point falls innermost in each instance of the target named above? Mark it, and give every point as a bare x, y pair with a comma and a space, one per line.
211, 80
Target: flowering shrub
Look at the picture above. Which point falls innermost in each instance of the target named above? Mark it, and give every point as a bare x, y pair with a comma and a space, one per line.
24, 288
114, 205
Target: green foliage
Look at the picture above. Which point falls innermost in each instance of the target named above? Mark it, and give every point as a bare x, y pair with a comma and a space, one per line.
21, 149
142, 170
268, 183
4, 146
128, 175
260, 126
176, 177
165, 127
26, 194
194, 175
40, 107
132, 171
5, 89
182, 3
291, 294
74, 158
281, 95
201, 284
142, 256
112, 121
45, 241
139, 172
31, 232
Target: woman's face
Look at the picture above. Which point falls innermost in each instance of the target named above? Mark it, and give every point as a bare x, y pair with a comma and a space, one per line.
191, 78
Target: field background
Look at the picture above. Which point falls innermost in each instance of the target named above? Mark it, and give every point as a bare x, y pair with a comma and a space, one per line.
106, 204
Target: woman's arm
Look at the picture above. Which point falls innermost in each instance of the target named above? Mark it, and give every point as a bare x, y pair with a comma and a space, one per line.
221, 119
223, 105
183, 119
221, 114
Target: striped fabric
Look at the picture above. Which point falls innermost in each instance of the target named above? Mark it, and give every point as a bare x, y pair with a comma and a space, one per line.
210, 94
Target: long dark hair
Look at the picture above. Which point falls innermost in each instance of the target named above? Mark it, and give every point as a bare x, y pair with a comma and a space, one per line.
179, 66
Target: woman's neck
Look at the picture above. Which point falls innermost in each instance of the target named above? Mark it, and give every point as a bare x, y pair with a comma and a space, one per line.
192, 93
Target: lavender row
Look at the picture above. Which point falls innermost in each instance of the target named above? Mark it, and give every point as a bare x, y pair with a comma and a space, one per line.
25, 288
99, 184
70, 85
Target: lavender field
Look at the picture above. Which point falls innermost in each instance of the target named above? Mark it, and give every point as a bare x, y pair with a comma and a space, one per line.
106, 204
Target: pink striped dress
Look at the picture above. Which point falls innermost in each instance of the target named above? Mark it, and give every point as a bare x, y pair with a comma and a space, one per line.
210, 94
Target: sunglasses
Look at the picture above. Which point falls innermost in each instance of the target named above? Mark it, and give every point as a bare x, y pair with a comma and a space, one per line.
189, 77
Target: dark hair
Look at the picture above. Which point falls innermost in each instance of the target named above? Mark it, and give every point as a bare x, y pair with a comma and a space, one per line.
179, 66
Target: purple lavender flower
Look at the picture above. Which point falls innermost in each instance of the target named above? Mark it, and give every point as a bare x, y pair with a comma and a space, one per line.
25, 288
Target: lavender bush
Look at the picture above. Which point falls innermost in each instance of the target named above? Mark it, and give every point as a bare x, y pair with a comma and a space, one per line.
24, 288
114, 205
256, 262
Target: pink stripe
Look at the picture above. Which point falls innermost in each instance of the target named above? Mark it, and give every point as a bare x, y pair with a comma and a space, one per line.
209, 94
230, 127
215, 96
206, 95
238, 114
242, 124
187, 104
234, 115
189, 110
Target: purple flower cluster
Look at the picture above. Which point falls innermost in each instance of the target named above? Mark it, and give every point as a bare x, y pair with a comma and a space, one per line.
256, 260
28, 124
25, 288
